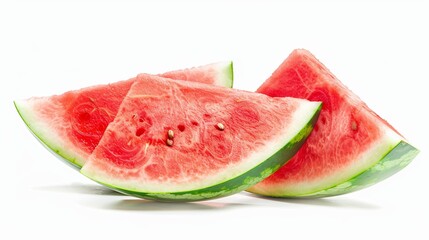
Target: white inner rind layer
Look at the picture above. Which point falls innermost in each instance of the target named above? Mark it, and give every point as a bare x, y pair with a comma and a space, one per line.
42, 128
366, 160
301, 117
224, 73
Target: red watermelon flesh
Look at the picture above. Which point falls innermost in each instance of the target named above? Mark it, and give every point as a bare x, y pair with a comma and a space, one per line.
350, 148
72, 124
222, 140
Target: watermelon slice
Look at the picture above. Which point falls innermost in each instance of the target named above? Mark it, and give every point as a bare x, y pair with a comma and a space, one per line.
185, 141
71, 125
350, 148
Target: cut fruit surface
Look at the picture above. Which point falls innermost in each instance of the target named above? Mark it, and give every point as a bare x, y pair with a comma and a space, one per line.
185, 141
71, 125
350, 148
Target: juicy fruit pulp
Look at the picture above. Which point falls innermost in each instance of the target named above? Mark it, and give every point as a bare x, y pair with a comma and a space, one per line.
71, 125
181, 141
350, 148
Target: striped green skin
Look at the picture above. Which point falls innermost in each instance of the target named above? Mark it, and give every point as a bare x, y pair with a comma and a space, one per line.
395, 160
239, 183
225, 78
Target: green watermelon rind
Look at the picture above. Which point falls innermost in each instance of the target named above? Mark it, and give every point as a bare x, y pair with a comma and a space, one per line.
225, 77
397, 157
224, 71
235, 184
57, 151
392, 162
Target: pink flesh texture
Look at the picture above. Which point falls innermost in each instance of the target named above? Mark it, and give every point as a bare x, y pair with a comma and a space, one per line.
83, 115
346, 126
134, 144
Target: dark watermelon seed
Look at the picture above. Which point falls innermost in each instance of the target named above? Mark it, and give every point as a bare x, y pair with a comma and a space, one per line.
181, 127
140, 131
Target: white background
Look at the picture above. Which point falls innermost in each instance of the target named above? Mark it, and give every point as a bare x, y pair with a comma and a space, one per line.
378, 49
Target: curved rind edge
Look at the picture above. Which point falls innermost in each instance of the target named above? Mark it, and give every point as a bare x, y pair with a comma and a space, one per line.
231, 74
239, 183
393, 161
225, 74
55, 151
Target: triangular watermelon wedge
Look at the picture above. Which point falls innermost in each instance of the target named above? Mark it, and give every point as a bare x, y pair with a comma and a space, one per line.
350, 148
71, 125
185, 141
